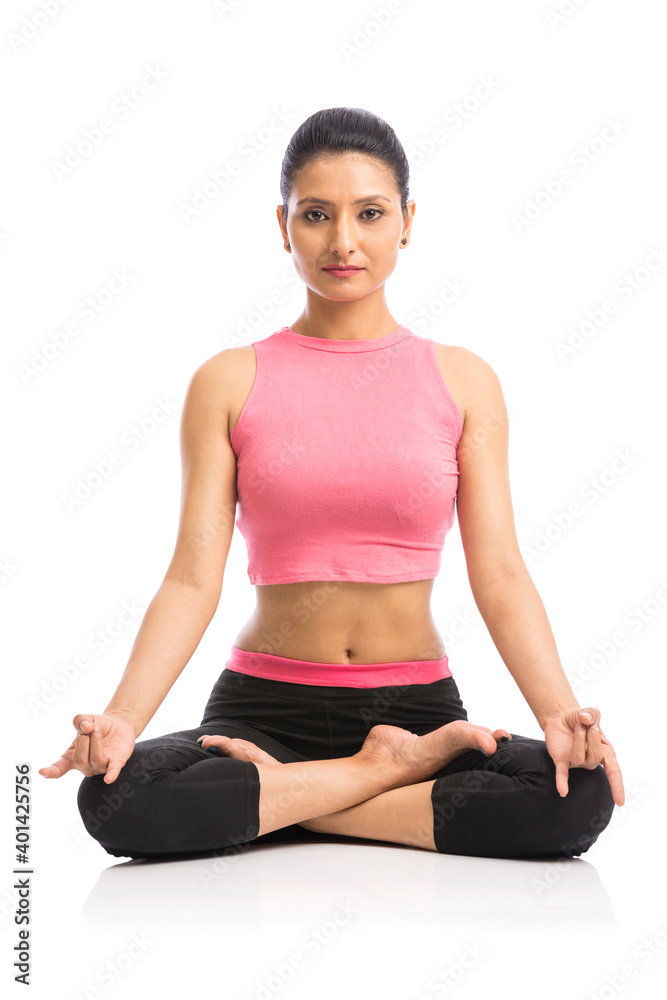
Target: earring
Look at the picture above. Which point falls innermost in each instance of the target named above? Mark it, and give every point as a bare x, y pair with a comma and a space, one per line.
404, 240
288, 247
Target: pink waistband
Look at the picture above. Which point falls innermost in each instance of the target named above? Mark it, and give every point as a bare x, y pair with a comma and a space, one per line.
359, 675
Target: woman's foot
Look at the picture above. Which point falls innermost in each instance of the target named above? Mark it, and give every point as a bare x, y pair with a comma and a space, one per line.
415, 757
421, 756
237, 748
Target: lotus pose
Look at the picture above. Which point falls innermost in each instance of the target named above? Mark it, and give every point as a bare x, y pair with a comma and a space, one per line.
345, 443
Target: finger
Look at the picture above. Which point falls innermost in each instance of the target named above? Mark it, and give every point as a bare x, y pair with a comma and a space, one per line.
83, 723
97, 753
594, 751
81, 756
590, 716
85, 728
561, 777
113, 771
578, 751
613, 773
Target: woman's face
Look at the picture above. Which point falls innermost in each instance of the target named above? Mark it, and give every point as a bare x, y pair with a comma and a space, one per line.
345, 209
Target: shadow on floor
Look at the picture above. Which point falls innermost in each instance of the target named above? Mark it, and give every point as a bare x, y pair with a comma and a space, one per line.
301, 875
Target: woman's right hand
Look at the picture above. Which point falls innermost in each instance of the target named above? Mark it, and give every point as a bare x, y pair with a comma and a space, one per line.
102, 746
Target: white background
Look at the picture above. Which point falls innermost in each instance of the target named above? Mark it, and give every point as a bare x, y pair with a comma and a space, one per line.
223, 71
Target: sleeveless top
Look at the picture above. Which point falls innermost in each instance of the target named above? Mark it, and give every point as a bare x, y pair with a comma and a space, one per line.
346, 459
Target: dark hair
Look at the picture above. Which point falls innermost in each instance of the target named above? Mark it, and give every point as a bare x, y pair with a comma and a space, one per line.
343, 130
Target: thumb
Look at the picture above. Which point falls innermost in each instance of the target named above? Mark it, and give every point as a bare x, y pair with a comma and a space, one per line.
61, 766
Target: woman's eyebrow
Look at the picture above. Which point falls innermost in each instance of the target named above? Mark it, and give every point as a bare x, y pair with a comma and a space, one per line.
323, 201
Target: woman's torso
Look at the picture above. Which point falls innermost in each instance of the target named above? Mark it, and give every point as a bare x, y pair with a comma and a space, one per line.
338, 621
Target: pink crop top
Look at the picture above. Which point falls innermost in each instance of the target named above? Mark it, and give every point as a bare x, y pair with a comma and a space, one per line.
346, 459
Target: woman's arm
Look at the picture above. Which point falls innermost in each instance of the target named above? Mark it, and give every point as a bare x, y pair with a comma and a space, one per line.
516, 619
503, 590
185, 602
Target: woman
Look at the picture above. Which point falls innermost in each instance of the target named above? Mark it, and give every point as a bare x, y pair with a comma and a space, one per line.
346, 440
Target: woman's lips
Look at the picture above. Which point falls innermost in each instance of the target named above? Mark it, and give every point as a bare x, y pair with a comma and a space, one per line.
343, 272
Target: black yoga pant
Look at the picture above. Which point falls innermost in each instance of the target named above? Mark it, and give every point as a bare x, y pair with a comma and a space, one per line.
174, 798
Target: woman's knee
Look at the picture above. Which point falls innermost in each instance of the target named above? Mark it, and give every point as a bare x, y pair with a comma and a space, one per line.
561, 825
156, 759
109, 811
150, 761
573, 822
592, 805
153, 808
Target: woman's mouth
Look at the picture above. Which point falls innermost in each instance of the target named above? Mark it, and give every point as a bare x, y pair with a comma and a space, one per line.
342, 272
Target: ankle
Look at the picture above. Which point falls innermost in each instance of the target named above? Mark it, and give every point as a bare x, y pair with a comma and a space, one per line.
383, 771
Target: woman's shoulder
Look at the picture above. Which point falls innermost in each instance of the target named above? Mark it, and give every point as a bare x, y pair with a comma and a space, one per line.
462, 359
471, 380
227, 367
225, 379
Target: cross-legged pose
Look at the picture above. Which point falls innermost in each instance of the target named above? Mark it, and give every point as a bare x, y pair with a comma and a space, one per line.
345, 443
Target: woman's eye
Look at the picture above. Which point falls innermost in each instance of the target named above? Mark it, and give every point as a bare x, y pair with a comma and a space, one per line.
316, 211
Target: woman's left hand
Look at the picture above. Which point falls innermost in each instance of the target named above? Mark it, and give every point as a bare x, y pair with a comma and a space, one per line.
575, 739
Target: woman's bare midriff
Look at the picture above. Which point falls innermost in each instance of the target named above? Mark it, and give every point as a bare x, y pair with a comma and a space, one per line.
335, 621
343, 622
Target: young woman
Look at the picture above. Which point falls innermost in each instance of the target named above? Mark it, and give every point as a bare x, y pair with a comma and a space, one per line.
346, 440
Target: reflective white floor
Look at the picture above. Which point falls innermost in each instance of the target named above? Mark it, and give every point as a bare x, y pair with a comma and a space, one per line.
331, 917
300, 879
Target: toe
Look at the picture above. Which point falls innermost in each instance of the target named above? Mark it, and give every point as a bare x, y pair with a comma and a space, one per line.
219, 743
499, 734
246, 750
481, 738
